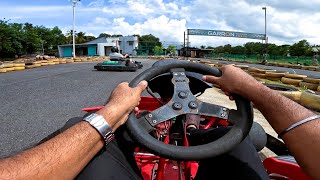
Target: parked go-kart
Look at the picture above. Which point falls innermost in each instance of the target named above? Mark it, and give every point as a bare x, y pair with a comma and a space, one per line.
161, 129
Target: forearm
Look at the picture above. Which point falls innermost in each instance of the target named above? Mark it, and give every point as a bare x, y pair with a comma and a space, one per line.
281, 113
62, 157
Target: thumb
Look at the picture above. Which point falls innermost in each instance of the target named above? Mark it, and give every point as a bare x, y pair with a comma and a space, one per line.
211, 79
141, 86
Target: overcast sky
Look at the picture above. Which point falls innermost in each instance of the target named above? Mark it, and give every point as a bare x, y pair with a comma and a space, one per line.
287, 21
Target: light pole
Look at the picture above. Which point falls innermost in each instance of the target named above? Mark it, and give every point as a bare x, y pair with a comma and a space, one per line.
74, 2
265, 33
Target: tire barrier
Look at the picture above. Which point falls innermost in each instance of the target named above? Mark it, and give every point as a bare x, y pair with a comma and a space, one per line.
295, 76
244, 67
253, 69
311, 79
7, 65
9, 69
276, 74
51, 63
19, 68
70, 61
295, 82
3, 70
280, 87
31, 66
273, 78
259, 75
19, 65
295, 66
318, 88
311, 101
44, 64
293, 95
38, 65
310, 86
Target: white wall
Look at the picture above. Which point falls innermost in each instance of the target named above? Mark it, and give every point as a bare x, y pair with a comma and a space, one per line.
100, 48
125, 44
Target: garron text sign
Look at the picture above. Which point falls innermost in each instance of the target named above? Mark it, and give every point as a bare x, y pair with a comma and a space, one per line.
203, 32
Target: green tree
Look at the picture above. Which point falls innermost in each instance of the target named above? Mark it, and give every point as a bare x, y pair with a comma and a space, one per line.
202, 46
117, 35
171, 48
149, 42
104, 35
227, 48
300, 48
238, 50
158, 50
253, 48
90, 38
80, 37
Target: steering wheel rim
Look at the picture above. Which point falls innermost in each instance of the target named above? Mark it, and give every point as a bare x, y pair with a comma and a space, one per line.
238, 132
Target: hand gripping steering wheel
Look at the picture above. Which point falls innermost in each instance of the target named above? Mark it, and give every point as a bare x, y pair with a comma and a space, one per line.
184, 102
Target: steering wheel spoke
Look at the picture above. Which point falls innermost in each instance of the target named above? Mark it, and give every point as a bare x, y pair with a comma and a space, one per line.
162, 114
213, 110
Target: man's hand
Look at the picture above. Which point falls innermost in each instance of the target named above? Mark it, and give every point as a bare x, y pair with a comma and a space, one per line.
122, 101
233, 81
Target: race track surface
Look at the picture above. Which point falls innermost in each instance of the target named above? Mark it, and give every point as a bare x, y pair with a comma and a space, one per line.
37, 102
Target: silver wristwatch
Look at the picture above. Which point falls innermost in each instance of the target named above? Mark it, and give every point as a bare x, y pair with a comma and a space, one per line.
101, 125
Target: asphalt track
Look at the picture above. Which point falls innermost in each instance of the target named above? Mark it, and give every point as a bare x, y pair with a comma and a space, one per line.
36, 102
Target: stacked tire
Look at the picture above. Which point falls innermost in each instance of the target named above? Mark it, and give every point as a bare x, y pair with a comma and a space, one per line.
69, 60
311, 82
292, 79
62, 61
275, 75
30, 65
19, 66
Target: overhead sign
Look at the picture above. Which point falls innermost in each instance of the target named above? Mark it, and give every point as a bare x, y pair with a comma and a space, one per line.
203, 32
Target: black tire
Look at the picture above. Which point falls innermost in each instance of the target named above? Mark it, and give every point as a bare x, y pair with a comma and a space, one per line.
281, 87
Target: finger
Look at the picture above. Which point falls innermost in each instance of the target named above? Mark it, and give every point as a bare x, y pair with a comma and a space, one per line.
211, 79
227, 93
136, 109
141, 86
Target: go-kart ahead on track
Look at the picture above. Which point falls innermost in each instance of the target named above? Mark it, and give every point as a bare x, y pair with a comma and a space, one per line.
165, 150
118, 62
118, 65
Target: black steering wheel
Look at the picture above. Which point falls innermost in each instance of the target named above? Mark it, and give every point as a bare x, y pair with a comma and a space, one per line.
184, 102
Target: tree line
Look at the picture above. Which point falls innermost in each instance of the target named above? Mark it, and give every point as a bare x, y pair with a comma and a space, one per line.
17, 39
301, 48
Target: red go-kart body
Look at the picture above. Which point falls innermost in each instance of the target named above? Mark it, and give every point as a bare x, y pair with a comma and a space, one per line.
154, 167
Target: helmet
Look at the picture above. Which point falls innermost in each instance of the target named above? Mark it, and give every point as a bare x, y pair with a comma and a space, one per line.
114, 49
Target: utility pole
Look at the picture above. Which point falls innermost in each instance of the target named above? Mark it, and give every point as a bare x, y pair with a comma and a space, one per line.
265, 34
184, 45
74, 4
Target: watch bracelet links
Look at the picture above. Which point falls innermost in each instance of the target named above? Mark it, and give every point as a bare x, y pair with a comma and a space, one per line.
106, 136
